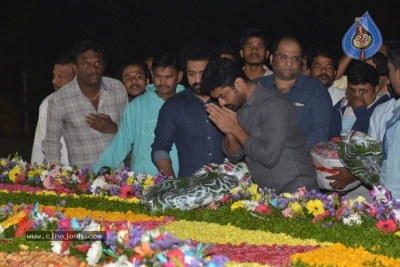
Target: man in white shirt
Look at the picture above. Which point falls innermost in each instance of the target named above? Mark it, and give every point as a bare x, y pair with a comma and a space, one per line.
254, 51
62, 74
323, 65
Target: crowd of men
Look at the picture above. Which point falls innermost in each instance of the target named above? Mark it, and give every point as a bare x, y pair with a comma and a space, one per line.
269, 118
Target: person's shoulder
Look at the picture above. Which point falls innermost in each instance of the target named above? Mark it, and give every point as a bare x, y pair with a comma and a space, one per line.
269, 79
113, 84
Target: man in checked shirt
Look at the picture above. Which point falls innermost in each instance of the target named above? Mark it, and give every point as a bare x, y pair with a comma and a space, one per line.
86, 111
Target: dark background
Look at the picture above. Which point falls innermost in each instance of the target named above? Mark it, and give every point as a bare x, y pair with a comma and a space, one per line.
33, 33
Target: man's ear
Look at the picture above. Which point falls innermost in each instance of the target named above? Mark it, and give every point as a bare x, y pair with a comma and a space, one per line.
239, 83
241, 53
271, 58
180, 75
267, 53
75, 69
376, 89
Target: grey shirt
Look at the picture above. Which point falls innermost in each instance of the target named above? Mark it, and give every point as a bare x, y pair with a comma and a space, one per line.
66, 114
276, 152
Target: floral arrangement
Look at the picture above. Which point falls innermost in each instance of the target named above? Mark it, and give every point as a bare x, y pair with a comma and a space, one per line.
326, 209
67, 180
117, 243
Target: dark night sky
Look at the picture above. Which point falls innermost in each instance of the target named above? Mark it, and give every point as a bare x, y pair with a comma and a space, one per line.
34, 32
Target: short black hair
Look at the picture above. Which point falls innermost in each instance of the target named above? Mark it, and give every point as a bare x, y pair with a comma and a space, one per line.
227, 49
141, 64
81, 47
285, 38
198, 50
166, 60
360, 72
250, 33
380, 61
221, 72
312, 54
64, 59
394, 54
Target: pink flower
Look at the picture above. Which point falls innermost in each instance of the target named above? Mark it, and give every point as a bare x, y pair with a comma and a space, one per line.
288, 212
263, 209
387, 226
47, 183
126, 192
177, 254
20, 178
64, 224
213, 205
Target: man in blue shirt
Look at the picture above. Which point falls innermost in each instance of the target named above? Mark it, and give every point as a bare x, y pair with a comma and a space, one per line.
137, 125
310, 97
183, 119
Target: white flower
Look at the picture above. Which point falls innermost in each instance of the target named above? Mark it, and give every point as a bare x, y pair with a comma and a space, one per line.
74, 177
94, 253
141, 177
121, 262
1, 229
42, 217
43, 174
67, 168
93, 226
352, 219
150, 233
250, 205
56, 247
99, 182
120, 236
396, 215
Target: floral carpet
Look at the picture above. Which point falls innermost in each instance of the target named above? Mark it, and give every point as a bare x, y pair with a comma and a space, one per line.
59, 216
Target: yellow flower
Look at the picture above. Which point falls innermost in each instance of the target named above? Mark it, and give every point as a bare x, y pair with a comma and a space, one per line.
397, 233
296, 207
148, 182
3, 162
359, 199
34, 172
235, 190
13, 220
316, 207
133, 200
288, 195
14, 173
129, 181
255, 196
237, 205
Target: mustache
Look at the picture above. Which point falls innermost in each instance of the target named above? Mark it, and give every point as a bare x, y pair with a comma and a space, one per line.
163, 86
323, 76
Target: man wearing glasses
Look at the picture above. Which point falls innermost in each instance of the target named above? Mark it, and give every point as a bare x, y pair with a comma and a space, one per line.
310, 97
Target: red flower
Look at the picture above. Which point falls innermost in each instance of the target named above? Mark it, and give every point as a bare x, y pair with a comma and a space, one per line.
263, 209
83, 247
20, 178
387, 226
48, 211
126, 192
226, 199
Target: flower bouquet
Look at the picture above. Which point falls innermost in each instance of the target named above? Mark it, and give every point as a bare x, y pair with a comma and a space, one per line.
325, 156
362, 155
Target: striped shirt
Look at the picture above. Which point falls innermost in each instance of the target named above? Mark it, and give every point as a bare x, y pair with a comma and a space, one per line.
66, 114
